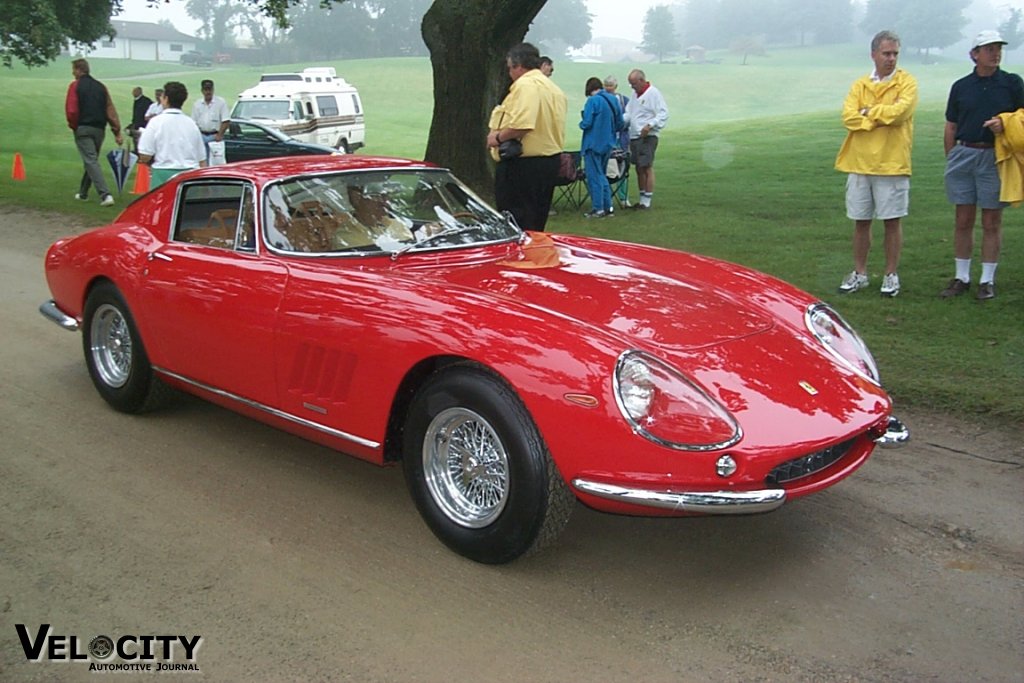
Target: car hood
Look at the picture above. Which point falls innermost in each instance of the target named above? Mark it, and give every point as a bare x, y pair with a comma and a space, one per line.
653, 297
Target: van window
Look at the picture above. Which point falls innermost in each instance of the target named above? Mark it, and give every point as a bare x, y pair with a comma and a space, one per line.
355, 102
327, 105
297, 111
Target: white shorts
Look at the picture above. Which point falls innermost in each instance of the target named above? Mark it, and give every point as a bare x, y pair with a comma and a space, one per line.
877, 196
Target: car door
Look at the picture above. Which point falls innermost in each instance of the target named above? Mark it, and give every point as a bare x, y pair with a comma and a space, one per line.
212, 296
245, 141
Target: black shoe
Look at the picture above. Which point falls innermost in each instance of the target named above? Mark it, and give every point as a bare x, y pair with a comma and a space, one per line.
954, 288
986, 291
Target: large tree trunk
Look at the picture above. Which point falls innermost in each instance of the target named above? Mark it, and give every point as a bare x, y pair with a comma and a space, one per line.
468, 40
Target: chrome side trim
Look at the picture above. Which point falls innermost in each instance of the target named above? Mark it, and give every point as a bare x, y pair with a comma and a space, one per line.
53, 314
706, 502
896, 434
274, 411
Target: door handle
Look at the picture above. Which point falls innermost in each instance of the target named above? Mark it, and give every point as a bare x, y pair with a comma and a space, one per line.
159, 255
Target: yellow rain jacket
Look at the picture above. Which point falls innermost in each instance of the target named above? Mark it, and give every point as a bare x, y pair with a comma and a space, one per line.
879, 142
1010, 157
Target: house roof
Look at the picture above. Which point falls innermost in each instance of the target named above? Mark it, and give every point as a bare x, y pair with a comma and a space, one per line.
143, 31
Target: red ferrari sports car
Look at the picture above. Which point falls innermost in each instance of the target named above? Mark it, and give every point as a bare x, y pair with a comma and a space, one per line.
378, 306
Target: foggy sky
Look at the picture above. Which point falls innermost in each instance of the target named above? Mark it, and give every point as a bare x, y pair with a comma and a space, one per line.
610, 18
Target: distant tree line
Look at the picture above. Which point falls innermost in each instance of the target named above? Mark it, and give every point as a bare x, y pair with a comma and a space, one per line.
750, 25
361, 28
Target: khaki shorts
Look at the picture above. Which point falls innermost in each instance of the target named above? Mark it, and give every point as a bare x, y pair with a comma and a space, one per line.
877, 196
641, 150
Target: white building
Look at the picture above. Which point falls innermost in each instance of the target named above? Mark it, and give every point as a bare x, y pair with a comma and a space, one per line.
141, 41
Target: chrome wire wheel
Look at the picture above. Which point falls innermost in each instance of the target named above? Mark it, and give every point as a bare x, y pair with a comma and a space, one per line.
110, 343
466, 467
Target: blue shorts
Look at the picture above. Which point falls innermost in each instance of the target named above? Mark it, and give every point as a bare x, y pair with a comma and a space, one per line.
972, 178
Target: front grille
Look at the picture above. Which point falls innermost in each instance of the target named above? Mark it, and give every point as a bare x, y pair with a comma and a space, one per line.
808, 464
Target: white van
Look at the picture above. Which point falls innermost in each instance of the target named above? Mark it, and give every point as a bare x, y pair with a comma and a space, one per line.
314, 105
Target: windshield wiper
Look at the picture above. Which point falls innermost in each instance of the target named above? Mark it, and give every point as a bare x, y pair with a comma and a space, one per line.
433, 238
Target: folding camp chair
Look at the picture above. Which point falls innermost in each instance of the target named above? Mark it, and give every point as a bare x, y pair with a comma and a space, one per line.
571, 186
621, 179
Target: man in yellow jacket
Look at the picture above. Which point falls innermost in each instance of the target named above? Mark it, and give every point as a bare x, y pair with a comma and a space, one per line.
878, 114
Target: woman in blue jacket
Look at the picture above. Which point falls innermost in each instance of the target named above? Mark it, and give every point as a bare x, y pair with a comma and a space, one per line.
602, 119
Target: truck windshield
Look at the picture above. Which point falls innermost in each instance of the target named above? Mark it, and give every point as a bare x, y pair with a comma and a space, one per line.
272, 110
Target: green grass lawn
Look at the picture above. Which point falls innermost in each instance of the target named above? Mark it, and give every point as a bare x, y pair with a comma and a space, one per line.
744, 173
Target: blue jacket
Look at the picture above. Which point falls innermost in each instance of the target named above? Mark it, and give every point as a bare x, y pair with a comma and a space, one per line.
602, 120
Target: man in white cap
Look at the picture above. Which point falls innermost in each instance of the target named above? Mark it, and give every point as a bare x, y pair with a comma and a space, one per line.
972, 121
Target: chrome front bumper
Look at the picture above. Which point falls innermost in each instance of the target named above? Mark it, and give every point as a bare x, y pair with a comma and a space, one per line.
896, 433
703, 502
54, 314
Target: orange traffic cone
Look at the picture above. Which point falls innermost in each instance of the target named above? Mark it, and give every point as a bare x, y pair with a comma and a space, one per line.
141, 179
18, 170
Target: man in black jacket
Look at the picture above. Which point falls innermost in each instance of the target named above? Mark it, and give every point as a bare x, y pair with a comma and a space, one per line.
89, 109
139, 108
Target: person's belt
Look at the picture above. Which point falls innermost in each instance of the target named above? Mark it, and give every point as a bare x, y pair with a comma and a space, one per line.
975, 145
214, 132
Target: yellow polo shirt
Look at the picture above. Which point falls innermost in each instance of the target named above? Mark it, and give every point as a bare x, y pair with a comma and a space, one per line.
536, 104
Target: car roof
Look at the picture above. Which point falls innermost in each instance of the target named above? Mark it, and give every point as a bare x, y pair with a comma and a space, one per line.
263, 171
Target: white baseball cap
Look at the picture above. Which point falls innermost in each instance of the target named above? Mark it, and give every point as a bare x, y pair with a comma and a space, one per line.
987, 38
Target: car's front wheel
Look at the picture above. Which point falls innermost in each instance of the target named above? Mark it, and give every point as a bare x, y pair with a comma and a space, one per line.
478, 469
115, 356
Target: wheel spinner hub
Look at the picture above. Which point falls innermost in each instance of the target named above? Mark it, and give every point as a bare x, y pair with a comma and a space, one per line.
466, 467
111, 344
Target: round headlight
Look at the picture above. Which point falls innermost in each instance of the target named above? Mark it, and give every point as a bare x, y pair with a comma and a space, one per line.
635, 388
842, 342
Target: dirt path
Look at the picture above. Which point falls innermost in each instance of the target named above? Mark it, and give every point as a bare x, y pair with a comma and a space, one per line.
295, 563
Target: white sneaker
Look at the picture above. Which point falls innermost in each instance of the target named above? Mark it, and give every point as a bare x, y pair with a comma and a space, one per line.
853, 282
890, 285
108, 200
80, 196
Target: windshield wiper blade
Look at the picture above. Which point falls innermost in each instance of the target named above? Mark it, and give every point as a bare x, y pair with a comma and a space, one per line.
433, 238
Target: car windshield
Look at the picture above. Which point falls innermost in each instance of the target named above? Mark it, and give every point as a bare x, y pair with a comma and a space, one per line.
378, 212
271, 110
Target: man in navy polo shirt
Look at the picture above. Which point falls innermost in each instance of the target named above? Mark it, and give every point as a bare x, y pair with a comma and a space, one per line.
971, 178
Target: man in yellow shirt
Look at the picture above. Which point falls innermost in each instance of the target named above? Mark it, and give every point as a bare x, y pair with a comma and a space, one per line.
878, 114
534, 113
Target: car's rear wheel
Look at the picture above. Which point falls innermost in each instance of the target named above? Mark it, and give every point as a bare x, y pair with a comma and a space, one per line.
478, 469
115, 356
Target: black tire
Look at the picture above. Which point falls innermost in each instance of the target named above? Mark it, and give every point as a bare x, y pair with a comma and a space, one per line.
477, 469
115, 356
